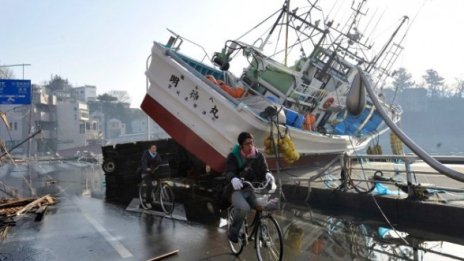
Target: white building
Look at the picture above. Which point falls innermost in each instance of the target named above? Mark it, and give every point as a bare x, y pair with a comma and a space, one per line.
73, 124
115, 128
85, 93
156, 132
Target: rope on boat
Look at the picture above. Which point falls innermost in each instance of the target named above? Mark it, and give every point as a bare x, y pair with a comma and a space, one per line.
396, 144
284, 143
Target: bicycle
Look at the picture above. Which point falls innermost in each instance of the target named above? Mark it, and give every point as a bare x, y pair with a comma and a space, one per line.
264, 229
161, 194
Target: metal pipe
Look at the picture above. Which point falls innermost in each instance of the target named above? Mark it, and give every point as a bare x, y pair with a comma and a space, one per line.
441, 158
147, 85
405, 139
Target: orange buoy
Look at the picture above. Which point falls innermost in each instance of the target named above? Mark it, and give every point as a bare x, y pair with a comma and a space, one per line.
212, 79
239, 92
309, 121
225, 87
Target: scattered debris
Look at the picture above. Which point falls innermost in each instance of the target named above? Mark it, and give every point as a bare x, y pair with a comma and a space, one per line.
14, 208
175, 252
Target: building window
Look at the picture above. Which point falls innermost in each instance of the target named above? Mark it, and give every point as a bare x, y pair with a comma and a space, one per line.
15, 126
82, 128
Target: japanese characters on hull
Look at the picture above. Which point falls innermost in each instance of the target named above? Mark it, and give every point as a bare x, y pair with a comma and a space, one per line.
193, 95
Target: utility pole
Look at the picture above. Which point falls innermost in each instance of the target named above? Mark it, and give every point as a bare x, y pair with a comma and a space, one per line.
15, 65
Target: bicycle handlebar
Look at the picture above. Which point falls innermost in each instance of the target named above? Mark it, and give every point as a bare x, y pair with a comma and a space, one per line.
158, 166
259, 186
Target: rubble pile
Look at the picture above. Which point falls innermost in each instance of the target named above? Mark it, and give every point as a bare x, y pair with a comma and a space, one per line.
12, 209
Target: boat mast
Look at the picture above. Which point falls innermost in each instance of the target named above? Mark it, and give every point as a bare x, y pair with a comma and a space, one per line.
286, 34
284, 10
377, 58
291, 15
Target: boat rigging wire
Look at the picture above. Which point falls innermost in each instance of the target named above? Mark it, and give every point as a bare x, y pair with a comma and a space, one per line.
258, 25
278, 39
332, 8
373, 197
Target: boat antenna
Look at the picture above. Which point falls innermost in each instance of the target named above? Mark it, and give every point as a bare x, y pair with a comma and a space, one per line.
375, 26
286, 33
356, 13
284, 10
412, 21
331, 9
376, 59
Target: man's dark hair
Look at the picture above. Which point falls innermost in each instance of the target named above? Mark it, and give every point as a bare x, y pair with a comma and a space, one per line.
244, 136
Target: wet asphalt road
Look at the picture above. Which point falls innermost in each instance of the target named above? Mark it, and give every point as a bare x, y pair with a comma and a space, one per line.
82, 226
89, 229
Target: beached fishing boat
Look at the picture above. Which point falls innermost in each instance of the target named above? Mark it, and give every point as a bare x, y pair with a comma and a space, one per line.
312, 110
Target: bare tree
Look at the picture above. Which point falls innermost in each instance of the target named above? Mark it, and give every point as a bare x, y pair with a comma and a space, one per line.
6, 73
106, 98
121, 96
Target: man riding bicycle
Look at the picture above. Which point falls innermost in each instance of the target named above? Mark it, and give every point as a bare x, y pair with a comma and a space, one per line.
150, 160
247, 163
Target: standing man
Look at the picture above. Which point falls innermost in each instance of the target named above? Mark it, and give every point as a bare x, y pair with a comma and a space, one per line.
244, 162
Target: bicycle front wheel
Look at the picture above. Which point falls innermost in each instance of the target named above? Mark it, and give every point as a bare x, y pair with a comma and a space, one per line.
144, 196
167, 198
268, 240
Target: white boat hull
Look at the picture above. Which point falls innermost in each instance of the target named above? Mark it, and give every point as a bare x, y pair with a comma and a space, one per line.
206, 122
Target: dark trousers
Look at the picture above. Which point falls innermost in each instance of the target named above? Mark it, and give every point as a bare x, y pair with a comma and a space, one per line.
148, 178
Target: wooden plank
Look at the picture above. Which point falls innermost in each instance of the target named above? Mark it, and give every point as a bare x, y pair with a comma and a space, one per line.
47, 199
16, 202
175, 252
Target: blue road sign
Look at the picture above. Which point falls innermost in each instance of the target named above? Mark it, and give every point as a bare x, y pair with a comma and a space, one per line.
15, 91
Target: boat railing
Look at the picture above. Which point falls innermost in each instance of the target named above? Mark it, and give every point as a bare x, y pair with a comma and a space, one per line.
400, 164
202, 77
308, 93
173, 40
178, 58
405, 172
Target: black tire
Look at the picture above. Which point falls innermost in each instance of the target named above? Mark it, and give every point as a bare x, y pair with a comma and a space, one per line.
236, 248
362, 186
109, 166
268, 240
167, 199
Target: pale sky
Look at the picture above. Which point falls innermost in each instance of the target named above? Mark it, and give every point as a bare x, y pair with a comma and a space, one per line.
106, 42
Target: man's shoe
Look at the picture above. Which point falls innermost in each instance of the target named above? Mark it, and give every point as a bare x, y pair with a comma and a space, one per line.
232, 238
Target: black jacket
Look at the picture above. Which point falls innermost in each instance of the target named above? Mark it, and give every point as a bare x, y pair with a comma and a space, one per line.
150, 162
253, 170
